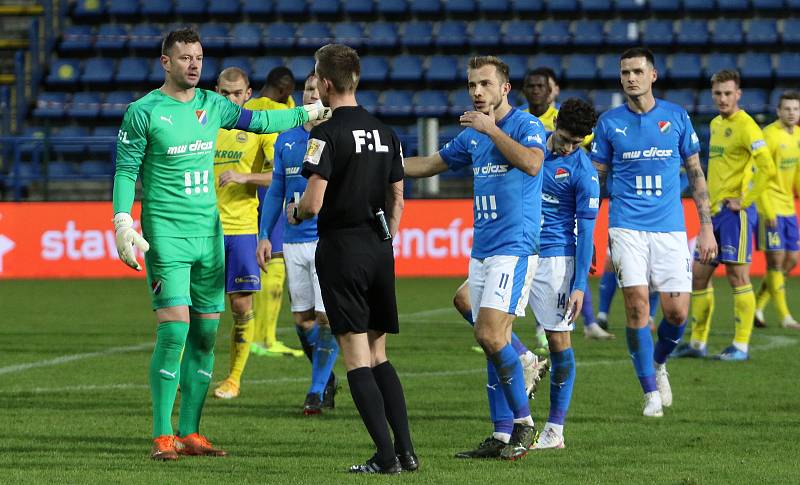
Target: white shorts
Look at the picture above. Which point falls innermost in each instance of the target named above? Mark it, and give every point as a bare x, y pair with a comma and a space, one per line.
501, 282
659, 260
301, 275
550, 292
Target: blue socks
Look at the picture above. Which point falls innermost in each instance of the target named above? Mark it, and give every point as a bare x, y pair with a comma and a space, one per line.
668, 337
509, 370
499, 411
608, 286
325, 351
562, 379
587, 310
519, 347
640, 347
654, 303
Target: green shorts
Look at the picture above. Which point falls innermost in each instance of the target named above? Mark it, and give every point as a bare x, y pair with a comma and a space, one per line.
187, 271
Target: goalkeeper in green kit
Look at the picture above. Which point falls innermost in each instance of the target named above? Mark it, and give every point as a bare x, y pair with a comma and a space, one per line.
167, 137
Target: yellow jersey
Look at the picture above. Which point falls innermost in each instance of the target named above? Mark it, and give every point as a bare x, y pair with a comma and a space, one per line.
245, 153
785, 150
737, 148
548, 120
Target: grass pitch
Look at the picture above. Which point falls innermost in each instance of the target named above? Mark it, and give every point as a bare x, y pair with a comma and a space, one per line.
74, 401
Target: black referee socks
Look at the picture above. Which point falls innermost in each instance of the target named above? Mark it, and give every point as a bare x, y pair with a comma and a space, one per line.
369, 402
394, 403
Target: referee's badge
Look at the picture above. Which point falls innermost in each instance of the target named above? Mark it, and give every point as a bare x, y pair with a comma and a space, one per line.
314, 151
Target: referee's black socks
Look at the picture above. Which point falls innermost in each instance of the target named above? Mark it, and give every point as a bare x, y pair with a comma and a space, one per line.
394, 402
369, 402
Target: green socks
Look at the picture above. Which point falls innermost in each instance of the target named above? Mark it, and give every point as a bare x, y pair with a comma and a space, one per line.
165, 373
196, 368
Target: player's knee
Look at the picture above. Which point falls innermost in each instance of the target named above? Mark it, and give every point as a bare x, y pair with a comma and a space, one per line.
322, 318
488, 340
461, 300
675, 316
241, 303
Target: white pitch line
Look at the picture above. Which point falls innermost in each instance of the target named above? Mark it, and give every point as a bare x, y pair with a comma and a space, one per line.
13, 369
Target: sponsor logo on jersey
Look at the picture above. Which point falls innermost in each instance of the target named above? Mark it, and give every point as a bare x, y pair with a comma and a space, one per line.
249, 279
757, 144
561, 174
594, 202
197, 146
537, 138
715, 151
293, 170
314, 151
230, 154
490, 169
652, 152
621, 130
695, 139
241, 137
664, 126
202, 116
289, 145
550, 198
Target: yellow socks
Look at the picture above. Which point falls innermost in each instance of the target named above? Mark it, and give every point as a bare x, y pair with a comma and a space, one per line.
776, 284
241, 337
744, 308
702, 309
267, 302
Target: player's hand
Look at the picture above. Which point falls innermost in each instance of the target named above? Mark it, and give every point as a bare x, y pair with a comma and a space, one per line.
574, 306
128, 240
772, 223
290, 214
231, 177
264, 253
317, 111
479, 121
706, 244
734, 204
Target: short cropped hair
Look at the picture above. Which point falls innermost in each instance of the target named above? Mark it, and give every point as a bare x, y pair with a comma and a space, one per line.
187, 36
576, 116
726, 75
233, 74
635, 52
340, 65
788, 96
478, 62
542, 71
277, 74
310, 75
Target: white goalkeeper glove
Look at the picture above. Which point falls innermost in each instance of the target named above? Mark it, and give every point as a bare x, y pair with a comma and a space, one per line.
128, 239
317, 111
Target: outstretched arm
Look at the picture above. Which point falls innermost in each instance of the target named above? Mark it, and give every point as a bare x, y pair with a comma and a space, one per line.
418, 167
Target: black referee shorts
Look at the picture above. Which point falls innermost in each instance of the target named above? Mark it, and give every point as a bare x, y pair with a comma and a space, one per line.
356, 276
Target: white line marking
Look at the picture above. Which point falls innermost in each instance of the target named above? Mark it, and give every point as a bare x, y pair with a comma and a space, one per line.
13, 369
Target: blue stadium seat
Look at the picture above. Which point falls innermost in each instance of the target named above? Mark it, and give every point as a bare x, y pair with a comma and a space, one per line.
519, 33
392, 7
152, 9
485, 33
57, 169
768, 5
134, 70
686, 67
605, 99
115, 104
762, 32
64, 72
97, 71
358, 7
242, 63
374, 69
50, 105
417, 34
622, 33
494, 6
406, 68
84, 105
573, 93
554, 33
691, 32
279, 35
146, 37
665, 6
76, 39
442, 69
324, 8
581, 67
349, 33
156, 73
123, 10
396, 103
63, 146
313, 35
755, 66
88, 10
111, 38
627, 7
210, 71
460, 101
681, 97
368, 99
290, 8
733, 6
608, 67
699, 6
382, 34
717, 62
791, 31
657, 33
300, 67
451, 33
430, 103
191, 8
224, 9
705, 104
245, 37
104, 131
528, 8
95, 168
262, 66
563, 7
460, 7
594, 7
255, 9
728, 32
214, 36
425, 7
547, 60
517, 66
788, 67
587, 33
754, 101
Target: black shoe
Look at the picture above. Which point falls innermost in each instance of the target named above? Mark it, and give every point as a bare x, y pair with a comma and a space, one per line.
372, 466
490, 448
408, 462
329, 394
313, 404
522, 437
759, 323
602, 324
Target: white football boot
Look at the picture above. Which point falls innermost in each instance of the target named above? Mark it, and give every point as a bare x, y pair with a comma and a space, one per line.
662, 382
652, 405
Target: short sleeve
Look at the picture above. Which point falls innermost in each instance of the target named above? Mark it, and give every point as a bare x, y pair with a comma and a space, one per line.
455, 153
398, 164
689, 142
601, 148
587, 191
754, 139
532, 134
319, 154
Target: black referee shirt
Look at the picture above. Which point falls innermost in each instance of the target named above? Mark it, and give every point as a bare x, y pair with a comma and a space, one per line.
359, 157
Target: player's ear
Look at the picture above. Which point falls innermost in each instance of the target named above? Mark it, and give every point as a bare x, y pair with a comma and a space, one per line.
165, 62
248, 93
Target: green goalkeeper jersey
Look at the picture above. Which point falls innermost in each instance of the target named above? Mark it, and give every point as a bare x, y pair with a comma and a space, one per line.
170, 144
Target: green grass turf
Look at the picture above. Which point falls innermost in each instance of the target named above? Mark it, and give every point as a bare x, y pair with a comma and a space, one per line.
88, 420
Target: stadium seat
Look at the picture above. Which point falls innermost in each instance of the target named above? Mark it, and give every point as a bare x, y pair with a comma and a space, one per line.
733, 6
484, 33
64, 72
134, 70
705, 104
115, 104
791, 31
594, 7
460, 7
368, 99
242, 63
528, 8
391, 8
519, 33
255, 9
451, 33
156, 9
406, 68
97, 71
762, 32
425, 7
755, 66
245, 37
279, 35
382, 34
665, 6
146, 37
111, 38
300, 67
621, 33
494, 7
547, 60
84, 105
192, 9
64, 140
313, 35
262, 66
430, 103
460, 101
581, 67
727, 32
290, 8
554, 33
681, 97
76, 40
657, 33
573, 93
395, 103
768, 5
628, 7
95, 168
587, 33
699, 6
123, 10
717, 62
156, 73
323, 8
57, 169
50, 105
754, 101
608, 67
218, 10
517, 66
208, 75
562, 7
349, 33
442, 69
605, 99
788, 66
104, 146
775, 96
417, 34
374, 69
691, 32
88, 10
358, 7
685, 67
215, 36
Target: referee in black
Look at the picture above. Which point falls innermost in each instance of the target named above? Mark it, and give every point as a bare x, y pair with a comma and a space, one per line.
354, 166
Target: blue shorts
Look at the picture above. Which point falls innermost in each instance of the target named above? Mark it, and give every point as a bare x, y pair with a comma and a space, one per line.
784, 237
734, 233
242, 273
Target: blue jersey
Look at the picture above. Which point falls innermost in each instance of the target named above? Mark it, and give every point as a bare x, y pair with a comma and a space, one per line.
645, 152
508, 202
288, 184
570, 190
